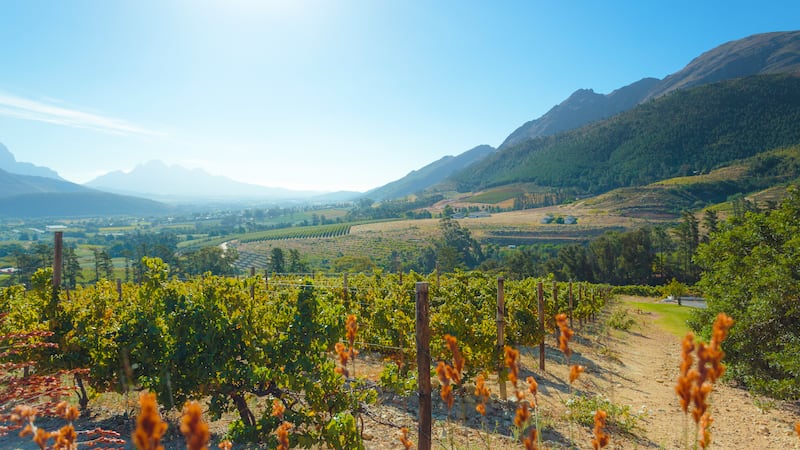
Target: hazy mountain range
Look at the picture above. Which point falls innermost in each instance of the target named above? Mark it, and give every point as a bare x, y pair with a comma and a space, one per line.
761, 54
160, 181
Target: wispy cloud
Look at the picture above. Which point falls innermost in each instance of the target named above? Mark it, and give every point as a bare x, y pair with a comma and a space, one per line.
27, 109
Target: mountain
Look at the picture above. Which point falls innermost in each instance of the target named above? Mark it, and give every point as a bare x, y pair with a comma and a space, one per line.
687, 132
766, 53
159, 181
433, 173
12, 184
582, 107
33, 196
9, 163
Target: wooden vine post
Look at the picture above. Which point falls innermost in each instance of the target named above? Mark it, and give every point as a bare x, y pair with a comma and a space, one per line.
555, 310
253, 285
501, 340
540, 294
570, 305
58, 252
423, 335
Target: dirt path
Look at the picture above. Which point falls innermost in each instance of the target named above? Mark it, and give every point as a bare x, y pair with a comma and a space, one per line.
645, 379
637, 369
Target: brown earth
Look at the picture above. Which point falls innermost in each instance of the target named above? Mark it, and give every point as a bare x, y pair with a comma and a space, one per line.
636, 369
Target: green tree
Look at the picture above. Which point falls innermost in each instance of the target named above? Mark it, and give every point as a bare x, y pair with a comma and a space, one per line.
688, 233
296, 265
72, 268
456, 248
710, 223
213, 259
277, 261
750, 272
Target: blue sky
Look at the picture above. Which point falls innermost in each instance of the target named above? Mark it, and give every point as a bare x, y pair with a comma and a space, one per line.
324, 94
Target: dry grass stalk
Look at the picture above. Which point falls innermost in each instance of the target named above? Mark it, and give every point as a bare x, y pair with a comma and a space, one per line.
149, 426
601, 438
194, 429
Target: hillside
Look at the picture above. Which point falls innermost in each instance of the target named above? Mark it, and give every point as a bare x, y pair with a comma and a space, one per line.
433, 173
31, 196
690, 131
14, 184
77, 204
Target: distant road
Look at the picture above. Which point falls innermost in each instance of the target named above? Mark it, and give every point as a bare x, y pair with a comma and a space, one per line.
694, 302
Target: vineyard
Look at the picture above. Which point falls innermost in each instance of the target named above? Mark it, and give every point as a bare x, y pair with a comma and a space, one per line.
240, 344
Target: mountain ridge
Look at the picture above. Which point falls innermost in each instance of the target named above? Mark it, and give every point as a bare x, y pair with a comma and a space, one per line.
157, 180
9, 163
433, 173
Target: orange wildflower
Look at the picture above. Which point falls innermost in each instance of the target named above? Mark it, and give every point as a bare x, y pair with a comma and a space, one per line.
566, 334
149, 426
65, 438
601, 438
533, 388
687, 376
797, 428
574, 372
444, 372
530, 441
352, 327
458, 360
283, 435
522, 415
512, 362
42, 436
482, 392
225, 445
194, 429
344, 357
277, 409
705, 435
407, 444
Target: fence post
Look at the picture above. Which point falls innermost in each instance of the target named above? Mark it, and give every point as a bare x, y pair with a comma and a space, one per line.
344, 288
501, 340
555, 310
58, 252
119, 290
423, 335
570, 305
540, 295
266, 279
253, 285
